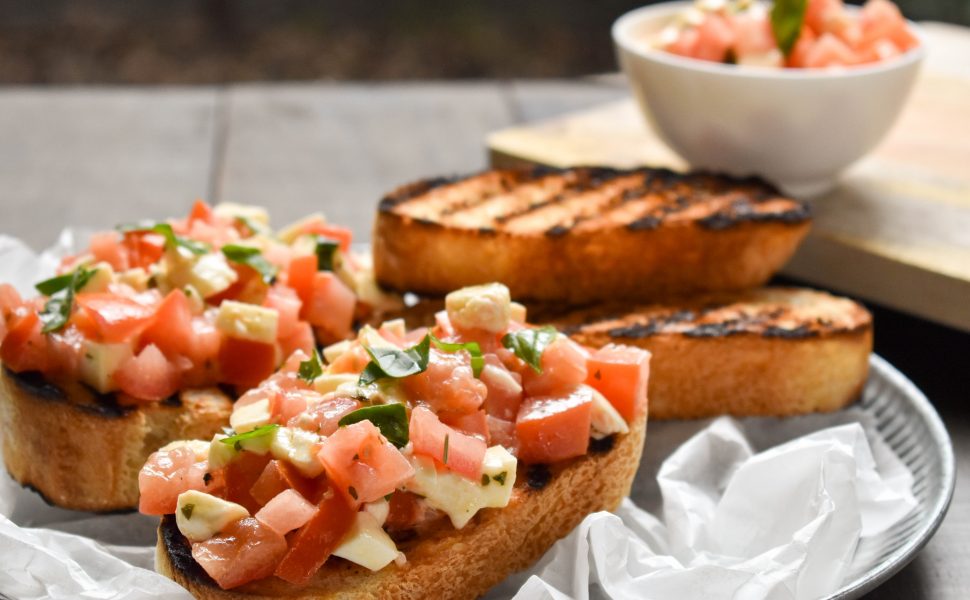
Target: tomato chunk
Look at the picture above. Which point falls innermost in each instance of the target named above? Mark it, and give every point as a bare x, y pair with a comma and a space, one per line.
143, 249
429, 436
277, 477
300, 274
245, 362
325, 416
245, 551
148, 376
330, 306
24, 348
554, 428
286, 511
403, 510
362, 465
241, 475
171, 327
106, 247
164, 476
313, 543
117, 318
563, 367
621, 374
474, 423
200, 212
333, 232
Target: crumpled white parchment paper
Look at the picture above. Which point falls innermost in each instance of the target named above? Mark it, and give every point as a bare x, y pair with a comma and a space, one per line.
778, 524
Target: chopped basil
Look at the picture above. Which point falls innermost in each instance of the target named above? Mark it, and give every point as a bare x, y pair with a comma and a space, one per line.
57, 310
261, 431
387, 498
207, 478
352, 492
500, 478
187, 510
254, 227
473, 349
787, 17
395, 363
485, 479
165, 230
311, 369
391, 419
444, 459
326, 253
251, 257
529, 344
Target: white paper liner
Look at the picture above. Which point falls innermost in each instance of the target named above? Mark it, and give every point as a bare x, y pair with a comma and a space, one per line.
779, 524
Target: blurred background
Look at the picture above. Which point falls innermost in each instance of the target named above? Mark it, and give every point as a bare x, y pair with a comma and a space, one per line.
215, 41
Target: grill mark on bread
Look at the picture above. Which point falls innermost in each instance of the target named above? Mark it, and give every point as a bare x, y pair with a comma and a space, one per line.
103, 405
180, 553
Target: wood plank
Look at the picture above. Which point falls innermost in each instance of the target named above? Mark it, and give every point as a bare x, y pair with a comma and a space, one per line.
339, 148
91, 157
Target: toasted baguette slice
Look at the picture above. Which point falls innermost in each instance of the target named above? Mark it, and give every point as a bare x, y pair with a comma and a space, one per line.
584, 235
546, 504
83, 451
770, 351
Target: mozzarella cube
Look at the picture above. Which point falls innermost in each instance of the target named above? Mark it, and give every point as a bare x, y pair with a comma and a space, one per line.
291, 232
103, 275
329, 382
517, 312
379, 509
606, 420
249, 417
231, 210
136, 279
335, 351
248, 321
100, 361
369, 337
299, 447
210, 274
367, 544
486, 307
220, 454
200, 516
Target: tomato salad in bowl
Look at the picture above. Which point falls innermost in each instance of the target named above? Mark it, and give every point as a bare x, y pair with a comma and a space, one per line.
387, 437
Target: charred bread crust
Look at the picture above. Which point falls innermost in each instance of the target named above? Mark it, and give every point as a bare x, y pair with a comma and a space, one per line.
547, 503
83, 450
586, 234
771, 351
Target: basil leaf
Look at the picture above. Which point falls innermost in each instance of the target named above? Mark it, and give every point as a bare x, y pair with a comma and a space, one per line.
165, 230
311, 369
326, 253
57, 310
529, 344
391, 419
787, 17
251, 257
478, 361
261, 431
391, 362
254, 227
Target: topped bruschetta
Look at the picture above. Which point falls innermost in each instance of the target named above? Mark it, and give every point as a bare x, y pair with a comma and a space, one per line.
353, 472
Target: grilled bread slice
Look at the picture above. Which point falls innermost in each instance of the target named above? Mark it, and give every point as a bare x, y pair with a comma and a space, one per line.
583, 235
82, 450
450, 564
770, 351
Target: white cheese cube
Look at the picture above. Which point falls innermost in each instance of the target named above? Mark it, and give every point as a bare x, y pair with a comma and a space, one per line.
367, 544
200, 516
396, 327
379, 509
231, 210
291, 232
99, 281
606, 420
220, 454
299, 447
329, 382
485, 307
249, 417
136, 279
517, 312
100, 361
248, 321
368, 336
335, 351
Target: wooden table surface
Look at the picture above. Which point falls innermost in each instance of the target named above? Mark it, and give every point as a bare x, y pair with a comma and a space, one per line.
93, 157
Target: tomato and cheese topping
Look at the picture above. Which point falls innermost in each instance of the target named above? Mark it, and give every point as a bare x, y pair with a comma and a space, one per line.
386, 434
216, 297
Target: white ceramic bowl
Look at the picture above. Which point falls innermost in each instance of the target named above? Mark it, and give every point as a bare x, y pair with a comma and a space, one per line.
798, 128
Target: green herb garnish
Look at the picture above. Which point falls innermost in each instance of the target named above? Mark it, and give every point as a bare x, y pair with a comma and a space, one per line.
187, 510
207, 478
236, 440
352, 492
485, 479
165, 230
395, 363
57, 310
311, 369
253, 258
500, 478
326, 253
251, 225
787, 17
444, 458
391, 419
473, 349
529, 344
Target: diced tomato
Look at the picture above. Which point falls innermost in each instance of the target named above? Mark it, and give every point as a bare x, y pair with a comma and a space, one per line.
295, 401
753, 36
403, 510
117, 318
686, 43
64, 350
249, 287
245, 362
820, 15
474, 424
106, 247
325, 416
300, 340
200, 212
287, 304
278, 476
148, 376
333, 232
563, 367
245, 551
24, 348
429, 436
241, 475
829, 51
300, 274
621, 374
715, 37
504, 391
804, 43
286, 511
313, 543
554, 428
203, 351
143, 249
10, 300
166, 475
363, 465
171, 328
330, 306
448, 384
352, 361
502, 432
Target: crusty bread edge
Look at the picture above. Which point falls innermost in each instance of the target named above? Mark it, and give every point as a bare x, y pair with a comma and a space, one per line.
457, 564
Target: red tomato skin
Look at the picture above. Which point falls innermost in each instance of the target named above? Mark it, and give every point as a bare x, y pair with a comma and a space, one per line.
148, 376
244, 362
142, 249
551, 429
502, 432
621, 374
200, 212
313, 543
362, 465
24, 347
301, 339
474, 424
106, 247
279, 476
299, 277
171, 328
116, 318
330, 307
333, 232
286, 511
241, 475
324, 418
287, 304
403, 510
428, 434
448, 384
166, 475
563, 367
245, 551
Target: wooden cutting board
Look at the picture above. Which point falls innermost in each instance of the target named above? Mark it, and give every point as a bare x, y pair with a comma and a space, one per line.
896, 231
